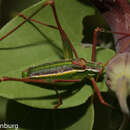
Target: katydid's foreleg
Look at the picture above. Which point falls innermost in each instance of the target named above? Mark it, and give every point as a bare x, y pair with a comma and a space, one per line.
99, 94
104, 31
93, 57
95, 42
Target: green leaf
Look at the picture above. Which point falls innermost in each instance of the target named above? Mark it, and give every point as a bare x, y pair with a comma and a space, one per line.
28, 46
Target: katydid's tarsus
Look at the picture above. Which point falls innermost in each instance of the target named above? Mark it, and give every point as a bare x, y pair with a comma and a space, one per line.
71, 70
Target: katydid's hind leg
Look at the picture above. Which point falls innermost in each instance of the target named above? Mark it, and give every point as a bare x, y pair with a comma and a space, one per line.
57, 93
64, 36
65, 39
99, 94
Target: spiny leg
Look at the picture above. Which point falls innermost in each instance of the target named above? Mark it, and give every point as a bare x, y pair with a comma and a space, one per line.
95, 39
94, 43
93, 57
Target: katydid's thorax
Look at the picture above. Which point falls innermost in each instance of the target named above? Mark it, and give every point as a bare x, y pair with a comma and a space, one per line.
64, 69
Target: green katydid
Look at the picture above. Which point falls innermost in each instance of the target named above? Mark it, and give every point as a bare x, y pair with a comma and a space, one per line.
71, 70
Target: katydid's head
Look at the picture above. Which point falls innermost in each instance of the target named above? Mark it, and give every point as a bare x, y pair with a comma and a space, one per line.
80, 62
88, 65
118, 78
24, 74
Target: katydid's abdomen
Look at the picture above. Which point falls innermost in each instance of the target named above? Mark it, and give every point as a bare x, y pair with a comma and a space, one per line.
64, 69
